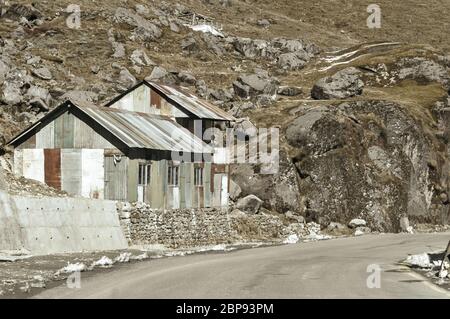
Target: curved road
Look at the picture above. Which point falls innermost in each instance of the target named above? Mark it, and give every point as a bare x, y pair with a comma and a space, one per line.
326, 269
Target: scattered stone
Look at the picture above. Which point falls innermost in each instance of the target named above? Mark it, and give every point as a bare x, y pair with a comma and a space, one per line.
158, 72
140, 58
162, 75
263, 23
201, 88
250, 204
422, 69
221, 95
345, 83
357, 222
118, 48
95, 69
34, 60
12, 94
80, 96
362, 230
289, 90
18, 11
264, 100
235, 190
174, 27
39, 104
189, 44
142, 9
251, 85
336, 226
145, 30
238, 108
292, 61
292, 216
126, 78
187, 78
42, 73
4, 69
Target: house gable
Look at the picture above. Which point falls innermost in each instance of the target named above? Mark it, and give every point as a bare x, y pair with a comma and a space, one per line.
63, 128
145, 99
156, 98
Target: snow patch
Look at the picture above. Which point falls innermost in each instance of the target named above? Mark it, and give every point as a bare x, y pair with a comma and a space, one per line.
140, 257
205, 28
70, 268
123, 257
103, 262
291, 239
359, 232
420, 260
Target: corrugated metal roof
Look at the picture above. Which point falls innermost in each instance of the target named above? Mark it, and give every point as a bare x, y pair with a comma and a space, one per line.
141, 130
197, 106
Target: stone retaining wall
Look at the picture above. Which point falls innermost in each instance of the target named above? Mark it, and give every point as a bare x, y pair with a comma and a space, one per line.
186, 227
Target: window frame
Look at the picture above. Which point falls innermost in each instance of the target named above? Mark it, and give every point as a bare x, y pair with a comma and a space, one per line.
171, 171
144, 174
198, 176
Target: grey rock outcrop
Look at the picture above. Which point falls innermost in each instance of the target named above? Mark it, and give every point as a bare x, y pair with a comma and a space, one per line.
144, 29
357, 222
250, 204
376, 167
80, 96
42, 73
252, 85
343, 84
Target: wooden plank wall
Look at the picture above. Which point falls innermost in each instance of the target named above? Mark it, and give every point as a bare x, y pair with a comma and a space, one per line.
116, 178
52, 167
67, 131
144, 99
133, 171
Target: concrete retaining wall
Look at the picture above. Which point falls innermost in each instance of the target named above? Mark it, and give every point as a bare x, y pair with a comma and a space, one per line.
55, 225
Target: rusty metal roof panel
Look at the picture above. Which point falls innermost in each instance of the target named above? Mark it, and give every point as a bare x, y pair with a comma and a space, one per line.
192, 103
141, 130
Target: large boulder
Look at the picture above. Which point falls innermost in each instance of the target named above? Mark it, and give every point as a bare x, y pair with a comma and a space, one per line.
372, 160
160, 74
423, 70
82, 97
292, 61
250, 204
357, 222
144, 29
17, 11
279, 190
252, 85
343, 84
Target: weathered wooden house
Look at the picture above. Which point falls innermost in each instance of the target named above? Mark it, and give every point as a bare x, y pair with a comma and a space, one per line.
125, 151
188, 110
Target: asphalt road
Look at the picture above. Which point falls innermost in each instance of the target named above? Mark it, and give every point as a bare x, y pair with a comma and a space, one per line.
327, 269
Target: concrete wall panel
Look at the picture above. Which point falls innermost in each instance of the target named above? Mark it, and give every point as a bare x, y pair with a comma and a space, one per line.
57, 225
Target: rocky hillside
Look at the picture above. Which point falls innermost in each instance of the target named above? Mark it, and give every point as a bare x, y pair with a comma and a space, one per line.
362, 112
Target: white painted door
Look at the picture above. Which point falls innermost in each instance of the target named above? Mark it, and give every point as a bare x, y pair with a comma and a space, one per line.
224, 191
140, 192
